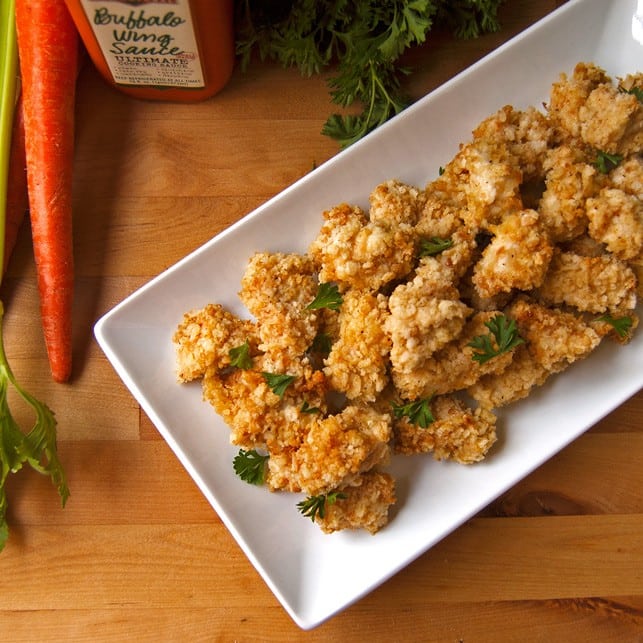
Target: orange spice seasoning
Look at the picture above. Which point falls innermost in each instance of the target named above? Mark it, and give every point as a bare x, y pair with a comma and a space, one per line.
173, 50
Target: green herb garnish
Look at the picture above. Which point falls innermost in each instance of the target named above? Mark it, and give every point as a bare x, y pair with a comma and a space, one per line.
322, 343
314, 506
606, 162
240, 356
418, 412
306, 408
621, 325
635, 91
278, 382
250, 466
434, 246
504, 334
328, 296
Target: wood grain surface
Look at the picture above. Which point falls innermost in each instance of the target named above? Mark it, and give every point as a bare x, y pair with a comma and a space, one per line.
138, 554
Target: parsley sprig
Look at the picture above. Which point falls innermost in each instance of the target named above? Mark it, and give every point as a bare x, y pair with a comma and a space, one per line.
418, 412
314, 506
240, 356
606, 162
328, 296
503, 337
278, 382
364, 39
621, 325
250, 466
434, 246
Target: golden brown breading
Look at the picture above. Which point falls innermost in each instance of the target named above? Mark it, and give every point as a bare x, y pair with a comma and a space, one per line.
256, 415
569, 182
204, 338
457, 433
363, 505
628, 176
276, 288
452, 368
568, 95
338, 448
519, 137
616, 219
425, 315
394, 203
358, 253
590, 284
612, 120
517, 257
492, 186
358, 361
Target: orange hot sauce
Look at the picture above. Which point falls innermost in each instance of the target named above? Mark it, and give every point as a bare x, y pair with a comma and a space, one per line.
172, 50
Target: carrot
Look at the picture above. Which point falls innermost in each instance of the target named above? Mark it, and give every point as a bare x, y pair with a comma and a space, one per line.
48, 53
17, 199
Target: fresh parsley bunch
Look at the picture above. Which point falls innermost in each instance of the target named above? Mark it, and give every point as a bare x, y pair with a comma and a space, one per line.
363, 38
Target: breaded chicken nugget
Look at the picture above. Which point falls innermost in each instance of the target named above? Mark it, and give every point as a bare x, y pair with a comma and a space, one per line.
364, 504
277, 288
519, 137
628, 176
394, 203
358, 361
457, 432
590, 284
568, 95
339, 448
616, 219
358, 253
204, 338
517, 257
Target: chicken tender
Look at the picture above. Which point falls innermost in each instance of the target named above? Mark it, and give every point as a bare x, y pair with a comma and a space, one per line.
361, 254
590, 284
517, 257
394, 203
339, 448
569, 182
568, 95
276, 288
457, 432
616, 219
364, 504
358, 361
519, 137
205, 337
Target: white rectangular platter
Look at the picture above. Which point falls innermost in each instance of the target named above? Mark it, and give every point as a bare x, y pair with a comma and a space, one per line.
313, 575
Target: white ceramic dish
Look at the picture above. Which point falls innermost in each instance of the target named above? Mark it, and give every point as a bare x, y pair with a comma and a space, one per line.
314, 575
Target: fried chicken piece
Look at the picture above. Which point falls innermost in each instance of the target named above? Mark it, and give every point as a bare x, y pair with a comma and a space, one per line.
276, 288
517, 257
452, 368
338, 448
394, 203
569, 182
612, 120
362, 505
358, 253
457, 432
255, 414
568, 95
204, 338
358, 361
616, 219
425, 315
519, 138
628, 176
554, 340
492, 186
590, 284
440, 215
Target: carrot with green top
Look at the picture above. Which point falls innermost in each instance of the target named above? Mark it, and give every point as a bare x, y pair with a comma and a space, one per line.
48, 54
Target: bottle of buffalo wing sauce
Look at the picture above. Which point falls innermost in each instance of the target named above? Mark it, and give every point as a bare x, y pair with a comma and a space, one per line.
173, 50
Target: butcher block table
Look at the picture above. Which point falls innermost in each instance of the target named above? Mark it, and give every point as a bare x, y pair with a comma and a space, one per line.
138, 553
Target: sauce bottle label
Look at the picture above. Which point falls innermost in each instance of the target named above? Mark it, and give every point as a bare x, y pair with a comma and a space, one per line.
147, 42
